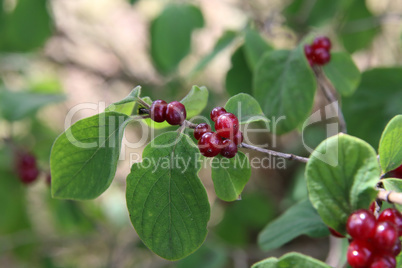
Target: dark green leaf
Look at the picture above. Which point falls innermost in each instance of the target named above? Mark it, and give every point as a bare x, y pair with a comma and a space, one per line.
167, 202
375, 102
254, 47
239, 78
230, 176
127, 104
18, 105
205, 256
224, 41
343, 73
284, 85
84, 158
393, 184
171, 35
300, 219
291, 260
246, 108
390, 149
341, 175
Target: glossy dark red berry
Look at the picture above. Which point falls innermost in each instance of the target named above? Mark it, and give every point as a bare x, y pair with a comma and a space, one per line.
200, 129
383, 260
158, 111
361, 224
359, 254
227, 125
385, 236
397, 248
322, 42
216, 112
229, 149
210, 144
396, 173
321, 56
308, 51
335, 233
238, 138
175, 113
394, 216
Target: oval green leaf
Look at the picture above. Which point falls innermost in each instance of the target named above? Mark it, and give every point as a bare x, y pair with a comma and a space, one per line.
291, 260
299, 219
240, 77
284, 85
343, 73
230, 176
341, 177
127, 104
167, 202
83, 159
390, 149
246, 108
254, 47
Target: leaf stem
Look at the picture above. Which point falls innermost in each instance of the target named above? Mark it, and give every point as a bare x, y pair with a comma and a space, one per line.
143, 103
328, 90
275, 153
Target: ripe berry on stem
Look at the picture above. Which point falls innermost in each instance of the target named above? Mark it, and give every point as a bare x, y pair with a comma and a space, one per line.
158, 111
308, 51
216, 112
210, 144
229, 149
227, 125
200, 129
26, 167
385, 235
394, 216
361, 224
359, 254
385, 260
175, 113
321, 42
238, 138
321, 56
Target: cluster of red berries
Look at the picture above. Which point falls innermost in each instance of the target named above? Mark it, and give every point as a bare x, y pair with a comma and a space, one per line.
174, 113
375, 242
226, 138
26, 167
318, 51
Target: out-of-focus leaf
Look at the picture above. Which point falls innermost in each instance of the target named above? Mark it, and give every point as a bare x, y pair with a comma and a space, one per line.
211, 256
291, 260
246, 108
254, 47
390, 149
239, 79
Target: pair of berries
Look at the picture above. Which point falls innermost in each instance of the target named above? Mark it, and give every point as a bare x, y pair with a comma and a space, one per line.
26, 167
318, 51
375, 242
174, 113
224, 140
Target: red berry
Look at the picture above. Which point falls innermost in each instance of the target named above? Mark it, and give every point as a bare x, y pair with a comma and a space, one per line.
229, 149
397, 248
308, 51
335, 233
210, 144
396, 173
394, 216
384, 260
28, 175
361, 224
26, 167
385, 236
321, 56
27, 160
216, 112
227, 125
321, 42
359, 254
200, 129
238, 138
175, 113
158, 111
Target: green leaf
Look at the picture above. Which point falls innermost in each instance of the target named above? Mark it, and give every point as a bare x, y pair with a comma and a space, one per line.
230, 176
358, 27
18, 105
343, 73
223, 42
341, 175
374, 104
171, 35
126, 105
84, 158
291, 260
254, 47
285, 85
206, 256
390, 149
27, 27
167, 202
239, 78
195, 101
246, 108
395, 185
300, 219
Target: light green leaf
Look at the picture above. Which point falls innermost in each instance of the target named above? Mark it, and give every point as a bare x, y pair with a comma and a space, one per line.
126, 105
254, 47
291, 260
341, 177
343, 73
285, 85
195, 101
390, 149
393, 184
171, 35
300, 219
224, 41
18, 105
84, 158
239, 78
167, 202
230, 176
246, 108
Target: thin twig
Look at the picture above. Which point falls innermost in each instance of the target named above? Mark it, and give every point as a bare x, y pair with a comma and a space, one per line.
143, 103
275, 153
390, 196
329, 90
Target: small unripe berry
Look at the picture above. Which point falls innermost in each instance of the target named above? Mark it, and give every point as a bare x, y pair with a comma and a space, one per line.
175, 113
